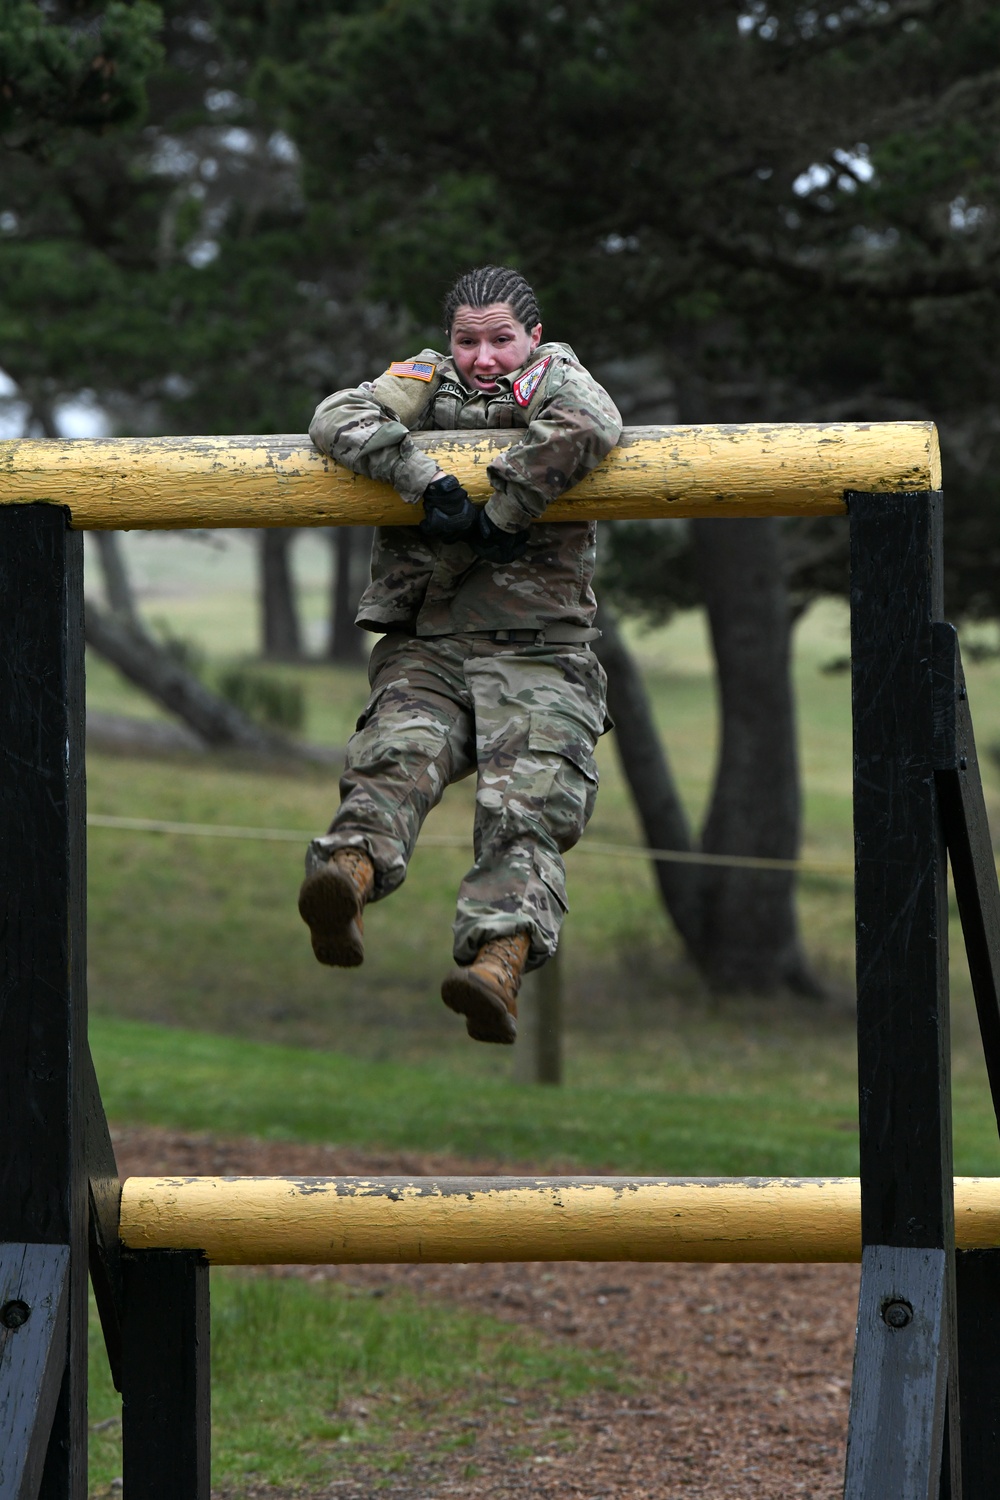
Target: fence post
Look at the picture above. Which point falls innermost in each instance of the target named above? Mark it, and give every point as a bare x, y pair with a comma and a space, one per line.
538, 1056
43, 1008
905, 1373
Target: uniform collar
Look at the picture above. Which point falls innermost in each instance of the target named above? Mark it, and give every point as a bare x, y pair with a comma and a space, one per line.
550, 347
504, 382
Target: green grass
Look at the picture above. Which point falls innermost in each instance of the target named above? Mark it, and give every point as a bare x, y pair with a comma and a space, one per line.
205, 933
309, 1375
745, 1113
209, 1013
202, 935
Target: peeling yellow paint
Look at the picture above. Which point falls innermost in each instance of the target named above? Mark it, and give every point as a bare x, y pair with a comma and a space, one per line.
753, 470
303, 1220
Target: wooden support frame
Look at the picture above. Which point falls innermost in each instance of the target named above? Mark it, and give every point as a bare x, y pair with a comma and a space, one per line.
973, 864
912, 1433
34, 1296
166, 1411
967, 834
260, 1221
906, 1340
104, 1195
752, 469
43, 1007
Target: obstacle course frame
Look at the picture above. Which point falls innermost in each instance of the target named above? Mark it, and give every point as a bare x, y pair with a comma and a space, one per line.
925, 1401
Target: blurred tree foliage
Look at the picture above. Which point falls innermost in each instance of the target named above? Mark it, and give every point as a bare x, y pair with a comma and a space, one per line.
792, 210
169, 265
793, 207
72, 65
156, 252
796, 206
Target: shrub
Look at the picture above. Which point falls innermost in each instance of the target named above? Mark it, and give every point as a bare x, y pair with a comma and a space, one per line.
264, 696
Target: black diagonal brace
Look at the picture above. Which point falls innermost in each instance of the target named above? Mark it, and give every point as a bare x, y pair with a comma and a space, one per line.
967, 833
104, 1195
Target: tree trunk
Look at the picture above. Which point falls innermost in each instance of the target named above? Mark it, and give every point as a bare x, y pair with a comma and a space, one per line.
749, 938
117, 586
647, 771
281, 638
738, 925
156, 672
122, 639
351, 547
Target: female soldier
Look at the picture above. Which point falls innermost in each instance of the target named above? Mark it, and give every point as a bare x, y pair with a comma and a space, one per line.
486, 615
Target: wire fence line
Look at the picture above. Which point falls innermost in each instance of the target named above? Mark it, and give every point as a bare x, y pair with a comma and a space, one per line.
457, 841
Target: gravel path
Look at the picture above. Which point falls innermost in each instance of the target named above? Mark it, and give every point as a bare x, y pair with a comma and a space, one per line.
743, 1372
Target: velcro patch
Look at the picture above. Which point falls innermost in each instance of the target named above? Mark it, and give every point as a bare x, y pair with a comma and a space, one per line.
526, 385
452, 388
412, 369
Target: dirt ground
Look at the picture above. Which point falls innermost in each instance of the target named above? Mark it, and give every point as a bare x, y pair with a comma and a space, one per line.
743, 1371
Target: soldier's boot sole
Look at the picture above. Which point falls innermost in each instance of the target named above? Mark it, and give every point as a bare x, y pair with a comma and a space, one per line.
487, 1018
329, 905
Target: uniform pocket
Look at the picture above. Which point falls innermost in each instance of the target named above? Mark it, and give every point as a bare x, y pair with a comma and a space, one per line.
564, 773
559, 734
551, 873
401, 749
369, 709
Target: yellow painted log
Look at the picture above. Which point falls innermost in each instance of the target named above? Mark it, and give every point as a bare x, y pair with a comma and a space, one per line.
352, 1220
754, 470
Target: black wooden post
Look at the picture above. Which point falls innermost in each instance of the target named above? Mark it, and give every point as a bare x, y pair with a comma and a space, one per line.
979, 1366
973, 867
906, 1368
43, 1008
166, 1412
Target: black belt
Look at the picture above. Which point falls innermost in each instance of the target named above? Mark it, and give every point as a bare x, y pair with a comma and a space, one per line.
545, 635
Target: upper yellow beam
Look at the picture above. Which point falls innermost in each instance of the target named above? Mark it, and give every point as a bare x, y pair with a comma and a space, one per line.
352, 1221
753, 470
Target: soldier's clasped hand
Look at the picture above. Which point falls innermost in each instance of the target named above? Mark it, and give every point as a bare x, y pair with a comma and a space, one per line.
492, 544
449, 514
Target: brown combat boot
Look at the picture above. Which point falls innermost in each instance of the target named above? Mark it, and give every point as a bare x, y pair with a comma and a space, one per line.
331, 902
485, 992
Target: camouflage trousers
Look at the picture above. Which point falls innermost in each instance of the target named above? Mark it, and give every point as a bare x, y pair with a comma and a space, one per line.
526, 720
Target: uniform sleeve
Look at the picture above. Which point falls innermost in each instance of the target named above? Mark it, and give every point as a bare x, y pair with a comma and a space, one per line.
361, 430
572, 424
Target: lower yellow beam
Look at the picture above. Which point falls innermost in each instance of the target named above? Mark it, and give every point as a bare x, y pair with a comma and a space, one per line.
753, 470
352, 1220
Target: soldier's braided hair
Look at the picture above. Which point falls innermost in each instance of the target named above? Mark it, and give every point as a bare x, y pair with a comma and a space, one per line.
488, 284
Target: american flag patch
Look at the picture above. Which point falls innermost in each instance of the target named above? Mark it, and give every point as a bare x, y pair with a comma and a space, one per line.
412, 369
526, 385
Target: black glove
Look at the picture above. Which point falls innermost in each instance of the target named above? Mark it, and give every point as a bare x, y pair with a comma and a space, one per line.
449, 514
493, 545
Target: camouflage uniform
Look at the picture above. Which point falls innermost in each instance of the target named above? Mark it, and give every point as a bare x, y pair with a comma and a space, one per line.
484, 665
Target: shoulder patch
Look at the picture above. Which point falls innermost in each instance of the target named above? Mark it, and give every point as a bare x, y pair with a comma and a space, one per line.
452, 388
412, 369
526, 385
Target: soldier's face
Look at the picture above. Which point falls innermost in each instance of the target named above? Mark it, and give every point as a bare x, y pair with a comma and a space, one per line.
487, 342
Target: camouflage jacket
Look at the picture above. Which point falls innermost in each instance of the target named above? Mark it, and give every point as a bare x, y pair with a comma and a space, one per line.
436, 588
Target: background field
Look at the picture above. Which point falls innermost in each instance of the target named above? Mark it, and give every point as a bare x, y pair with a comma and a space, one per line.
203, 934
210, 1014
